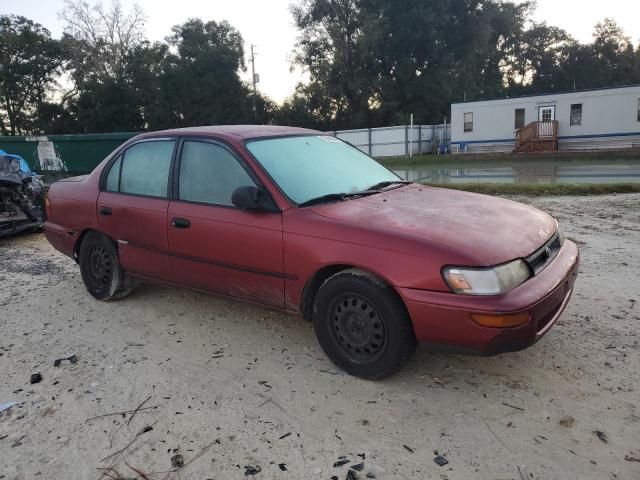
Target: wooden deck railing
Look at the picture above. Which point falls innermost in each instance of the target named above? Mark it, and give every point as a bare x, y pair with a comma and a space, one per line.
537, 137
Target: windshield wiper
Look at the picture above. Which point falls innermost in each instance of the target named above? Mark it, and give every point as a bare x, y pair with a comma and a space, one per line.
388, 183
330, 197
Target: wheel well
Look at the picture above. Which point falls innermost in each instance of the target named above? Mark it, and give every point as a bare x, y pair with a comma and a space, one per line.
81, 237
76, 247
315, 282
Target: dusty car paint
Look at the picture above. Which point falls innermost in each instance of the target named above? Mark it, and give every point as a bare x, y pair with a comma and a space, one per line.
404, 236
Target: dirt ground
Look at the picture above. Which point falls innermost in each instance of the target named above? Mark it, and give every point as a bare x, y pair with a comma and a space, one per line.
232, 386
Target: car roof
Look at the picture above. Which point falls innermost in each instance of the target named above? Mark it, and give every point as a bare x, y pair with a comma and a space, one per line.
239, 131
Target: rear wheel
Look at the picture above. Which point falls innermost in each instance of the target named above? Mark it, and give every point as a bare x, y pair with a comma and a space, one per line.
362, 325
100, 268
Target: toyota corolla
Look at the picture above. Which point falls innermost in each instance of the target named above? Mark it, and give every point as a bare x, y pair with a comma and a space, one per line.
300, 221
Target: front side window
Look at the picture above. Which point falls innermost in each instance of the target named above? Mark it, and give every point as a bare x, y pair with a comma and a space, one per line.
209, 173
143, 169
576, 114
468, 122
308, 167
639, 109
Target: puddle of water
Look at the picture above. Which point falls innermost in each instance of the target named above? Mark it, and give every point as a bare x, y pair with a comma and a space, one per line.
519, 172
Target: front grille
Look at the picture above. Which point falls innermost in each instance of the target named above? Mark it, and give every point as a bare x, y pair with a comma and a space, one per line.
539, 259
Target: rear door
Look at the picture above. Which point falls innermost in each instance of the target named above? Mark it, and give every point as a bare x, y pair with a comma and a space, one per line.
132, 206
214, 245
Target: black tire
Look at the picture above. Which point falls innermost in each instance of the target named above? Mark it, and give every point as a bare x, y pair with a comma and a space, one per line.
100, 268
362, 325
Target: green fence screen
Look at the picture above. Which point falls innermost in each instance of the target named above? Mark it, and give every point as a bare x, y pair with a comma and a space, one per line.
70, 154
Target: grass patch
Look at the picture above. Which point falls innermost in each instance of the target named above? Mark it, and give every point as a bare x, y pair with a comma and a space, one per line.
480, 159
538, 190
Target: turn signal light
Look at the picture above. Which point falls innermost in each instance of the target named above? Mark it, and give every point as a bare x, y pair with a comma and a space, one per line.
501, 321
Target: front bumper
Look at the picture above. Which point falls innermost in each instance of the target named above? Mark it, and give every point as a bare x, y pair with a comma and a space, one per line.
443, 319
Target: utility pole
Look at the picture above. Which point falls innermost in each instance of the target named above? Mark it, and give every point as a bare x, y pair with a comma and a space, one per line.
254, 79
253, 69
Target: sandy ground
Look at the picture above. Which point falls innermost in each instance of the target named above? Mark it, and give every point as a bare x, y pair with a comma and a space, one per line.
234, 386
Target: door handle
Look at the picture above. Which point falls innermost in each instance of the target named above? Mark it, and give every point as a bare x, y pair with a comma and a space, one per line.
105, 211
178, 222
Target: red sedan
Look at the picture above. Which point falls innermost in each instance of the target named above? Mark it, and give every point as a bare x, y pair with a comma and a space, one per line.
300, 221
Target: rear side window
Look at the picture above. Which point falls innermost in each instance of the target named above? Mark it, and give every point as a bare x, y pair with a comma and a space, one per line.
144, 169
209, 173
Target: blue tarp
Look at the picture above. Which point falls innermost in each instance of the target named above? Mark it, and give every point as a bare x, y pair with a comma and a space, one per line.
24, 166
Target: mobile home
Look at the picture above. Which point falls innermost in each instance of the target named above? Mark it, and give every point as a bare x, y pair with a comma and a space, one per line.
584, 120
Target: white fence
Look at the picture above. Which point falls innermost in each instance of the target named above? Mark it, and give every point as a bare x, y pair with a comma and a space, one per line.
400, 140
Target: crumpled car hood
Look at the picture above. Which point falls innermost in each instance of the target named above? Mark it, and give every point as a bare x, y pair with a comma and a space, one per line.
491, 229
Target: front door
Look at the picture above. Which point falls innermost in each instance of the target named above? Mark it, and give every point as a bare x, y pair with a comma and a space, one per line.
132, 207
546, 115
214, 245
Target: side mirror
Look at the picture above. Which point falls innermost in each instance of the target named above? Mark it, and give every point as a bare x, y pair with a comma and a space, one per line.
252, 198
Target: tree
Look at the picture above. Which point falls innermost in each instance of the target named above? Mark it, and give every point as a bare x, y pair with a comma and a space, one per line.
336, 48
553, 61
200, 83
100, 40
100, 44
29, 62
536, 61
375, 62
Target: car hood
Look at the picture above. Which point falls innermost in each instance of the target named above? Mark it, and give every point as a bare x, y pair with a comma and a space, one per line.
489, 229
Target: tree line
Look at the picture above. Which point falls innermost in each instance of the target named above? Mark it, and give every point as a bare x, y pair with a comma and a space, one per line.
369, 62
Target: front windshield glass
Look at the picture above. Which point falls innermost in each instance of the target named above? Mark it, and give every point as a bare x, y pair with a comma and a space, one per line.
308, 167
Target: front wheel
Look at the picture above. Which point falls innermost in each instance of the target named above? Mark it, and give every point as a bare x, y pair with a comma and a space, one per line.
100, 268
362, 325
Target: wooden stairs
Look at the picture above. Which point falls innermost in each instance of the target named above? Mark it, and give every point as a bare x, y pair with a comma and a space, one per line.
537, 137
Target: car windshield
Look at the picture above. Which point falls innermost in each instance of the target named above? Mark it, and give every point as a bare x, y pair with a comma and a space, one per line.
319, 166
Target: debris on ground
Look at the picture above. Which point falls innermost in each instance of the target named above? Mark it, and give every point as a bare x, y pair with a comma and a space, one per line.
358, 467
512, 406
601, 435
567, 421
283, 466
408, 449
18, 442
341, 462
284, 436
35, 378
71, 359
177, 461
440, 461
251, 470
631, 458
7, 406
351, 475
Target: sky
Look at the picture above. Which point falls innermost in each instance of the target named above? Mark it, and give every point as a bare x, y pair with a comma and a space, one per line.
268, 24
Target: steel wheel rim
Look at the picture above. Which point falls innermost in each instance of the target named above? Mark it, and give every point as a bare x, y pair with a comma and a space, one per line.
358, 328
100, 266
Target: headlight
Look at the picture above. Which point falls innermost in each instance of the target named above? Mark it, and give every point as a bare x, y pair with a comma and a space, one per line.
560, 232
486, 281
